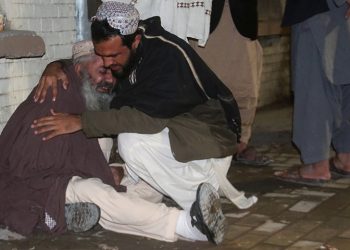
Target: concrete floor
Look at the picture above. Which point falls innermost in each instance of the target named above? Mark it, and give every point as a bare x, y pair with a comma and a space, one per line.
287, 216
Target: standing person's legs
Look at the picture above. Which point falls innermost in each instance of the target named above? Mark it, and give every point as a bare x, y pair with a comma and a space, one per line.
341, 138
239, 66
315, 98
150, 158
245, 88
317, 107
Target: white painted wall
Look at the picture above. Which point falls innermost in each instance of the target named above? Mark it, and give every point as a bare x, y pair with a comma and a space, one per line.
54, 21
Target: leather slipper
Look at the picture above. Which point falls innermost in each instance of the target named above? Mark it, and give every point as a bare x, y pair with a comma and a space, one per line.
294, 176
251, 157
336, 172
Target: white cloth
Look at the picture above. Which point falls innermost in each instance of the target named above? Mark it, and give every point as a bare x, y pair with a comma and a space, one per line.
126, 212
106, 146
150, 158
184, 18
141, 189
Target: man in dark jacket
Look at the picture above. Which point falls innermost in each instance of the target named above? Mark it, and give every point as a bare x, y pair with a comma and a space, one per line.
160, 75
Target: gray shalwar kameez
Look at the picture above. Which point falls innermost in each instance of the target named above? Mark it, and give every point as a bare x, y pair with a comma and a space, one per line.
321, 82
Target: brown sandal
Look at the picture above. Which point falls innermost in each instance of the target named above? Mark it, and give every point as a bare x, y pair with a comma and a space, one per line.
294, 176
250, 156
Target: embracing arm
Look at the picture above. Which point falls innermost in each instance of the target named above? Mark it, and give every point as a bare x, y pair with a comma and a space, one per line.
116, 121
52, 75
56, 124
98, 123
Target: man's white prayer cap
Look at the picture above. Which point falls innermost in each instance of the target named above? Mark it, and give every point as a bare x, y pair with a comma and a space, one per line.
121, 16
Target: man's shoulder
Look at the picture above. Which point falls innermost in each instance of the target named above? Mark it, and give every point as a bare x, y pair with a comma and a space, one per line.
161, 49
152, 28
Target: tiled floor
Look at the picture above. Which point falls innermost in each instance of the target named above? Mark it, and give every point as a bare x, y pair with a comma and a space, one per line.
287, 216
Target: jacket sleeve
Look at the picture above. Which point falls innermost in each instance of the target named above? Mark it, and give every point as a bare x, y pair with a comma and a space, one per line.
115, 121
214, 88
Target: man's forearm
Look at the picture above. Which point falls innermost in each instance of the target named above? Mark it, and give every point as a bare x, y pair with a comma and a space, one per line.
116, 121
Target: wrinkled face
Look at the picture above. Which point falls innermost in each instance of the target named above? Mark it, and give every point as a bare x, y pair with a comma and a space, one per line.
100, 77
115, 55
97, 83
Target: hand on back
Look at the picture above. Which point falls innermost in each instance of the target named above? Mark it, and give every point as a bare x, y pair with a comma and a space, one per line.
51, 77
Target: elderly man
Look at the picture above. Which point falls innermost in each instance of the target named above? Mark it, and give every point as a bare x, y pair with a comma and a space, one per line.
34, 176
38, 178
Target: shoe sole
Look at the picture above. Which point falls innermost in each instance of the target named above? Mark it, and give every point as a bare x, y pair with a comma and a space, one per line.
81, 217
212, 215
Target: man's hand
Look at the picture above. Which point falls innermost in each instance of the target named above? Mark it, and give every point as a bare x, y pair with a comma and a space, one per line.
57, 124
52, 75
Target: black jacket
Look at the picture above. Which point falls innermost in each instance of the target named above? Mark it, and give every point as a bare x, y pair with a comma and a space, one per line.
297, 11
244, 14
170, 78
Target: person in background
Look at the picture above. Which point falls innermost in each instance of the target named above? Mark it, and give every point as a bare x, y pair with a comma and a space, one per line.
234, 26
321, 84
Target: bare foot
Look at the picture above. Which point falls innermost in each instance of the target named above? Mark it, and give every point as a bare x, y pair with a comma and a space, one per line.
248, 155
318, 170
342, 161
241, 147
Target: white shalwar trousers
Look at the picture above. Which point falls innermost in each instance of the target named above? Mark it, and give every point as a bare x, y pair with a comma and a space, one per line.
149, 157
128, 212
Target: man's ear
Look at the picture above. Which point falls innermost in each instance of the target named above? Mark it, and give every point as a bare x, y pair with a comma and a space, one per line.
77, 68
136, 42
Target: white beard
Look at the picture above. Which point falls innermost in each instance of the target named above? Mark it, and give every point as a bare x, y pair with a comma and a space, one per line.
94, 100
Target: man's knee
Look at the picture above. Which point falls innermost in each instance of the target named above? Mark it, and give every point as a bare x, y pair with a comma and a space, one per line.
79, 184
128, 145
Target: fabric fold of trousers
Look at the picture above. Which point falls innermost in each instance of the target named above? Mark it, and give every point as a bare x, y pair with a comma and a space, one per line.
178, 180
127, 212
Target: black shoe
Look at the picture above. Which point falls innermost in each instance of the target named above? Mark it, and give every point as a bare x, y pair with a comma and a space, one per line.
81, 216
207, 215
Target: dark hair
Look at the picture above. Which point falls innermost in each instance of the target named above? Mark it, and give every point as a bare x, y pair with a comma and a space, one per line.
101, 31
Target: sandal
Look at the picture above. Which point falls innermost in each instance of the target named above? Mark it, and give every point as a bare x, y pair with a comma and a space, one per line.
250, 156
337, 172
294, 176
